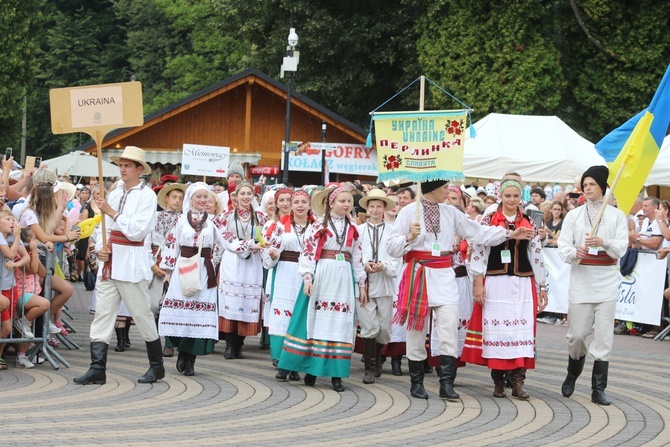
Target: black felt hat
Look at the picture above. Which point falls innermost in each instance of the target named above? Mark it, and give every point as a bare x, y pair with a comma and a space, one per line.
599, 174
427, 187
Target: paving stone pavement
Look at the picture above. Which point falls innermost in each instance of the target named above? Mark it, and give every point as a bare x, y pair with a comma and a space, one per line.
238, 402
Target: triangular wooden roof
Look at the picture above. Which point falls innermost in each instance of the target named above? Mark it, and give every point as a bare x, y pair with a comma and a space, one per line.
338, 127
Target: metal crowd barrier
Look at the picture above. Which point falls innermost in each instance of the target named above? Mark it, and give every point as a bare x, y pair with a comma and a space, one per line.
41, 346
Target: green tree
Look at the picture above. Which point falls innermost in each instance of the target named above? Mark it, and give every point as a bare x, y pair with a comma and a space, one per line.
20, 22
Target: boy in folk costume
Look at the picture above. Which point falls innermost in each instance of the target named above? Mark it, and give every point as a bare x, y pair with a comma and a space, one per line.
125, 273
428, 278
374, 316
594, 281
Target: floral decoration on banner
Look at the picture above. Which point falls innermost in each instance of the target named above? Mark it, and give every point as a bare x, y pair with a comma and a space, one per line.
392, 162
455, 127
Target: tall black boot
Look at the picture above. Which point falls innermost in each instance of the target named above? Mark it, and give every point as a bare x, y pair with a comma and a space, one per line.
378, 360
127, 334
239, 342
230, 345
599, 382
575, 368
264, 339
189, 364
447, 376
396, 363
416, 377
370, 358
96, 373
120, 339
155, 355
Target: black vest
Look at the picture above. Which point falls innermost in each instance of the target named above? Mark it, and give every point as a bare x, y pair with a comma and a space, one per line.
520, 265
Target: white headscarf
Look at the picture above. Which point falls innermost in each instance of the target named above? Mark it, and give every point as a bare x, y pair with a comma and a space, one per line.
190, 191
269, 194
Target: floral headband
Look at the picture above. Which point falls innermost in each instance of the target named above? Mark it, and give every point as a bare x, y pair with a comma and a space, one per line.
508, 183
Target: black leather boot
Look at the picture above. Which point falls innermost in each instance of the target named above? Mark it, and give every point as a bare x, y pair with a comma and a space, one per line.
599, 382
378, 360
126, 332
575, 368
369, 358
498, 376
189, 364
396, 363
181, 361
447, 375
293, 375
264, 339
156, 370
310, 379
239, 342
230, 345
282, 375
96, 373
416, 373
120, 339
337, 384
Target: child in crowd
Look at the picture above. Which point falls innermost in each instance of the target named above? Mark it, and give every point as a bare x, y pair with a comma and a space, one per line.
28, 288
10, 247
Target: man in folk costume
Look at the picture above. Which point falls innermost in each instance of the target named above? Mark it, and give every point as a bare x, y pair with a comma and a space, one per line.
125, 273
594, 281
375, 316
428, 279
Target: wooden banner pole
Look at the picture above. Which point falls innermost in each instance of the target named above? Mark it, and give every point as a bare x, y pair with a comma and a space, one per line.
422, 94
98, 137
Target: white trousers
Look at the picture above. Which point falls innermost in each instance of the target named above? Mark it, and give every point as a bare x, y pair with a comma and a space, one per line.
135, 296
375, 318
446, 325
587, 319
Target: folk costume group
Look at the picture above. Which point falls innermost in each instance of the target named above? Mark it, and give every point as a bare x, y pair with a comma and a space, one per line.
196, 276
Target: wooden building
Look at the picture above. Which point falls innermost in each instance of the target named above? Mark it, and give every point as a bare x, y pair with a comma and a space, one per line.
246, 112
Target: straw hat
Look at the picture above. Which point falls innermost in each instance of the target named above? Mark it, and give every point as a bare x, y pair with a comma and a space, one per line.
165, 190
69, 188
133, 153
319, 200
376, 194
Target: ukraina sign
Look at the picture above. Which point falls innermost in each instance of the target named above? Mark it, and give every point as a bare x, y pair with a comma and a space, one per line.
96, 108
420, 146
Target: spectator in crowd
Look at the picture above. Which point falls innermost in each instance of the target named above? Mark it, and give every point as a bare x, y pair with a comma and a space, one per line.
650, 235
475, 209
537, 196
405, 196
554, 223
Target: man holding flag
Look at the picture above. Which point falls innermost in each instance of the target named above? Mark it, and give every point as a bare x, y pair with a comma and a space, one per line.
594, 279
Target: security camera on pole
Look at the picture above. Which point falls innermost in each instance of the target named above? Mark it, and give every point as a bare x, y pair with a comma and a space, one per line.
289, 66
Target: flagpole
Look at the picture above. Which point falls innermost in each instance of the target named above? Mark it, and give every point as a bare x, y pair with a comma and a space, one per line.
99, 136
422, 93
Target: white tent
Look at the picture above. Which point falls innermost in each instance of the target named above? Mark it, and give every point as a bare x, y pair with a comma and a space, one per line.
660, 173
79, 163
540, 148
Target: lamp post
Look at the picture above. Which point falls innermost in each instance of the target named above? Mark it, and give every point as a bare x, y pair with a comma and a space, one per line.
324, 166
289, 66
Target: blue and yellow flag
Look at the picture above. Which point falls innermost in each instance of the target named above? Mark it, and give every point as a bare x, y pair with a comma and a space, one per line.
636, 144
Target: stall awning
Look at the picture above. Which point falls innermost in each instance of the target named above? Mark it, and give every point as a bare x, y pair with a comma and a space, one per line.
174, 156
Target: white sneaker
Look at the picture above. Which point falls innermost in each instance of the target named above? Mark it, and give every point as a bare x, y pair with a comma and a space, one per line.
53, 329
23, 361
23, 327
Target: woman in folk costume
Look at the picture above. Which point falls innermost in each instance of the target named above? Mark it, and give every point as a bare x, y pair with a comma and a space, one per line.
191, 322
215, 208
502, 328
281, 205
170, 200
286, 243
241, 272
319, 339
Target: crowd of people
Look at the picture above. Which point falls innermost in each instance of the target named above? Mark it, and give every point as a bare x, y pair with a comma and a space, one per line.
442, 274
